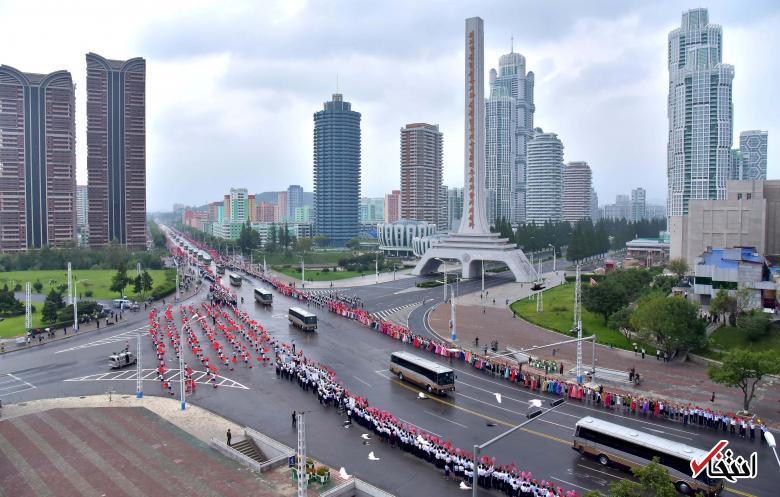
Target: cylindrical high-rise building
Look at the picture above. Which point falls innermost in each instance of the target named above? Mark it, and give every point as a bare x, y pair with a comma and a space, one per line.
37, 159
500, 155
544, 200
336, 171
577, 182
421, 172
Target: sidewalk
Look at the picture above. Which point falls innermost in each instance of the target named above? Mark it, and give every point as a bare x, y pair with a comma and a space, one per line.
684, 382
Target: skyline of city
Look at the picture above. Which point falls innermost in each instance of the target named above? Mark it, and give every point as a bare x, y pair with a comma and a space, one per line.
639, 64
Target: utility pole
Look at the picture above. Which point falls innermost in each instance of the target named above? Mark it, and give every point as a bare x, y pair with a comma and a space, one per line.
28, 306
138, 268
303, 274
301, 455
75, 308
482, 264
540, 294
70, 285
376, 267
453, 331
578, 322
139, 390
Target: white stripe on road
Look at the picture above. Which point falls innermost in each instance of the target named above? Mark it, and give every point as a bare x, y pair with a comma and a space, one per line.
361, 381
570, 483
151, 375
599, 471
445, 419
125, 335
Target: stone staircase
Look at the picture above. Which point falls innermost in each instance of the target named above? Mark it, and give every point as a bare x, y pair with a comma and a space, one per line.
247, 447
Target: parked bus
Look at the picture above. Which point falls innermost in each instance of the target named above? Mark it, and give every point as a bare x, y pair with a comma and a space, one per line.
302, 318
235, 279
613, 444
428, 374
263, 296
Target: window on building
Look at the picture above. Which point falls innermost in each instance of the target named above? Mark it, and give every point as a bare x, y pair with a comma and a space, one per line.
739, 196
748, 196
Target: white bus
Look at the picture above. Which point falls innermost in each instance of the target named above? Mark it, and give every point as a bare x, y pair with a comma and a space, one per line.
613, 444
263, 296
430, 375
302, 318
235, 279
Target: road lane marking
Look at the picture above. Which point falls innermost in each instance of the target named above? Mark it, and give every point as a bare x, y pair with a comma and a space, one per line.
420, 427
171, 375
513, 412
570, 483
362, 381
16, 384
125, 335
445, 419
599, 471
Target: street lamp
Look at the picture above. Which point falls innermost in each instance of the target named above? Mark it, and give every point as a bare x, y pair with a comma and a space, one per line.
552, 247
376, 266
303, 274
444, 262
75, 307
770, 439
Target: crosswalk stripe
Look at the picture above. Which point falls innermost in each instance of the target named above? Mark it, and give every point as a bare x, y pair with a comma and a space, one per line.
150, 375
124, 336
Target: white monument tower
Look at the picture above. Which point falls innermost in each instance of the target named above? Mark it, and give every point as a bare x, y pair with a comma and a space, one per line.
474, 243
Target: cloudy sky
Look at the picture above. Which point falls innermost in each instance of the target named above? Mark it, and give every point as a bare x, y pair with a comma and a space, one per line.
232, 86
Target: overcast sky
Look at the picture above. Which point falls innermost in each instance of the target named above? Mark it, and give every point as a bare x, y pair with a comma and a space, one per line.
232, 86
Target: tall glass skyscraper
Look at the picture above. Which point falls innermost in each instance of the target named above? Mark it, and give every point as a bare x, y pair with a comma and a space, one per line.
336, 171
500, 155
517, 85
753, 149
700, 113
545, 178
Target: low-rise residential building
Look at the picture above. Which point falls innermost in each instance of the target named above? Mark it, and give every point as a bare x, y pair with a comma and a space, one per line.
733, 269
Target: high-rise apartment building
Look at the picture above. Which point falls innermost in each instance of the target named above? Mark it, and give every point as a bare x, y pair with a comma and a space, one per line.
282, 208
500, 154
454, 208
621, 209
594, 205
372, 210
251, 208
544, 178
82, 206
441, 224
294, 199
37, 159
392, 206
421, 172
517, 85
265, 212
116, 150
638, 205
214, 212
239, 205
700, 113
753, 150
226, 208
336, 171
577, 188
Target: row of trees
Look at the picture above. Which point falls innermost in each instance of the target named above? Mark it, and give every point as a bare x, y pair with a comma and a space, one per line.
80, 258
142, 283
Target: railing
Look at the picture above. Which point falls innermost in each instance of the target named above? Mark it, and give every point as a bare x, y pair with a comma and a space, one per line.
235, 455
353, 485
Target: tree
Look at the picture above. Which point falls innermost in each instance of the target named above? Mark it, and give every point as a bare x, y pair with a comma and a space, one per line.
304, 244
653, 482
621, 320
51, 306
353, 244
9, 305
37, 286
146, 282
119, 280
744, 369
271, 239
321, 241
605, 298
742, 299
672, 322
138, 285
723, 303
755, 325
679, 267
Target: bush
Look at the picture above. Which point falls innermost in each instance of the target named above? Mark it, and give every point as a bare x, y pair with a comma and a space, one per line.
18, 287
586, 277
326, 270
428, 284
88, 293
165, 289
755, 325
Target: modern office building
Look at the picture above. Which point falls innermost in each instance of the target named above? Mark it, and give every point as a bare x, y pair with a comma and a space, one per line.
577, 188
748, 217
116, 150
517, 85
700, 113
393, 206
336, 171
500, 154
544, 178
294, 199
37, 159
372, 210
638, 205
753, 150
421, 172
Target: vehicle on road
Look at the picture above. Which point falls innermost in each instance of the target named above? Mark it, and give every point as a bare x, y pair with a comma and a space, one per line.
121, 359
302, 318
120, 303
235, 279
220, 269
626, 448
433, 377
263, 296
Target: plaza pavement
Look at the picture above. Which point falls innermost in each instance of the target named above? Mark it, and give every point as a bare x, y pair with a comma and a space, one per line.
681, 381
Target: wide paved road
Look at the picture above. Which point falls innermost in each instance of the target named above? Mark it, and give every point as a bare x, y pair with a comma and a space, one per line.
359, 357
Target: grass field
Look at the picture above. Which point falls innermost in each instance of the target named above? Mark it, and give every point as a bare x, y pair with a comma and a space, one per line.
727, 338
558, 315
293, 258
12, 327
315, 275
96, 280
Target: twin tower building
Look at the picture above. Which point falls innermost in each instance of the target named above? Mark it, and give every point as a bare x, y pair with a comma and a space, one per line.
38, 156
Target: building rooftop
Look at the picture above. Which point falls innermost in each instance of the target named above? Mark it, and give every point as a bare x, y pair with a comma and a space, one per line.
730, 258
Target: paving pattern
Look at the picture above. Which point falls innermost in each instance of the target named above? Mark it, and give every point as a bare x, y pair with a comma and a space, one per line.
171, 375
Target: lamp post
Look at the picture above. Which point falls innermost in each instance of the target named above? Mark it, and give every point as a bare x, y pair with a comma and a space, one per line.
75, 307
376, 267
552, 247
303, 274
444, 262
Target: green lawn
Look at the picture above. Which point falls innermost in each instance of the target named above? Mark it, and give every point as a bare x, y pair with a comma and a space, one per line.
96, 280
558, 316
727, 338
12, 327
294, 258
316, 275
